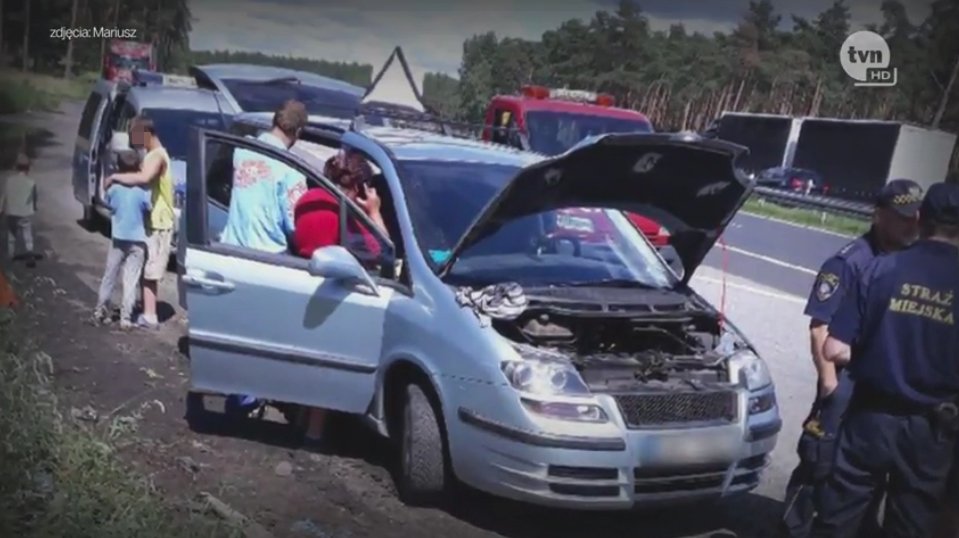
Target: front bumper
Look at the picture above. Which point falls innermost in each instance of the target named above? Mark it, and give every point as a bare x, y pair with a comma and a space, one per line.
645, 468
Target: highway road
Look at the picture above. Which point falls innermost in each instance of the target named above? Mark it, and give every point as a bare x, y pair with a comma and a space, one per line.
777, 254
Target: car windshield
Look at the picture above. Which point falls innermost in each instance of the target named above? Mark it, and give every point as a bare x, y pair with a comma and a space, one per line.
267, 96
570, 247
173, 127
552, 133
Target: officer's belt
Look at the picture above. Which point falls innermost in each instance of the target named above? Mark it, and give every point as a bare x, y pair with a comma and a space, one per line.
866, 398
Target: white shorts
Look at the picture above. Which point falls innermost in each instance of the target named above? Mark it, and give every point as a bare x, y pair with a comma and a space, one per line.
158, 254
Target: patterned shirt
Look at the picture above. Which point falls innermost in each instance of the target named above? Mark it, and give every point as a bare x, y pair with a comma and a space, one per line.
264, 193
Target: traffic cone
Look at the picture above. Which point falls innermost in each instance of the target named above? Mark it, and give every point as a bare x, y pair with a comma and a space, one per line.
8, 298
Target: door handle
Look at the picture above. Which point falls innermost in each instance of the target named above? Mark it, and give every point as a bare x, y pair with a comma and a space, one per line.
207, 282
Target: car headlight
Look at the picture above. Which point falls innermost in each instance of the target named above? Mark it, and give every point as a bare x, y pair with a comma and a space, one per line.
544, 378
750, 370
576, 412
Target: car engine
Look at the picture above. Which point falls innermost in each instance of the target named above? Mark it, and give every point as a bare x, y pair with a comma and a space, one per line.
627, 354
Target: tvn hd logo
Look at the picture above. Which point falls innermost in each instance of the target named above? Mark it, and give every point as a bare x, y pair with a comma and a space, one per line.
865, 57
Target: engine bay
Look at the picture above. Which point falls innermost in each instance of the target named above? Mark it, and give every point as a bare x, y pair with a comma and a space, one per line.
625, 354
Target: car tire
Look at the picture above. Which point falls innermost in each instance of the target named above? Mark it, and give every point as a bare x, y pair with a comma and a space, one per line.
91, 219
423, 465
197, 417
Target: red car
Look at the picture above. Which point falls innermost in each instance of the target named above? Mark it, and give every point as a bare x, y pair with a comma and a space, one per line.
592, 224
656, 234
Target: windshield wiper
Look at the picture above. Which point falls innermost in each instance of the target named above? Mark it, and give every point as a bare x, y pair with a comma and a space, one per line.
610, 283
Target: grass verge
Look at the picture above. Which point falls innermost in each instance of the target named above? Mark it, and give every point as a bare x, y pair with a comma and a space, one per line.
807, 217
60, 479
28, 92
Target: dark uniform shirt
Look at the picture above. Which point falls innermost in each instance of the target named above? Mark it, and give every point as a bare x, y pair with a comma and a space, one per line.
900, 319
837, 275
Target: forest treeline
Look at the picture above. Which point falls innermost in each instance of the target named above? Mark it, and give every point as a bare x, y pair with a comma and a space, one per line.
771, 62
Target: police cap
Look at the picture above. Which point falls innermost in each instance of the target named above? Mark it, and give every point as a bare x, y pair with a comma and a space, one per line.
902, 196
941, 204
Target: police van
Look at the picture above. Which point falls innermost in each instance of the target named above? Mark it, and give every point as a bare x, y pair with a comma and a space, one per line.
175, 104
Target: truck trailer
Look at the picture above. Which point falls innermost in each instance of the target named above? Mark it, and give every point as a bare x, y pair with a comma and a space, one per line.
857, 157
770, 138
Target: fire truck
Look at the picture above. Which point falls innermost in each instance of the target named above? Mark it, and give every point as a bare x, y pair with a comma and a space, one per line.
123, 57
551, 121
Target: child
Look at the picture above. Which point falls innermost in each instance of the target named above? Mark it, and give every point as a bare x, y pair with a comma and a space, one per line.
128, 249
18, 203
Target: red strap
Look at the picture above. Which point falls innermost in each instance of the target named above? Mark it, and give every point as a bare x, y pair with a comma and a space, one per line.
722, 295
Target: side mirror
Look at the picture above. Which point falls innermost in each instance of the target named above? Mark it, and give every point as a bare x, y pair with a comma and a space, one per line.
671, 257
336, 263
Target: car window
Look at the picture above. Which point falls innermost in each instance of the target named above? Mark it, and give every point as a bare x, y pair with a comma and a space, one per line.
365, 243
124, 117
173, 127
503, 122
552, 133
89, 114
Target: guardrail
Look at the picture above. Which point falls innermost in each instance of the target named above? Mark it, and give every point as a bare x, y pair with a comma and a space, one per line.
825, 204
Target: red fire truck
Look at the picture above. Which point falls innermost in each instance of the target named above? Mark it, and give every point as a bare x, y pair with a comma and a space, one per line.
551, 121
123, 57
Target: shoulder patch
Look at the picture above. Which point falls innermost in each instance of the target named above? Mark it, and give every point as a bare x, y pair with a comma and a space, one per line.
826, 285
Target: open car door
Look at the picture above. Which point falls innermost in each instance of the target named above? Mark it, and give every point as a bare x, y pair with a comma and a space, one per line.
269, 325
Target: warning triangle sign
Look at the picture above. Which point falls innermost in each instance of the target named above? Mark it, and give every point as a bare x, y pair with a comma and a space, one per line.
394, 85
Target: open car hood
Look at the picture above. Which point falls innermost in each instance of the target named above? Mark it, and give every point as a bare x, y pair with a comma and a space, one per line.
684, 182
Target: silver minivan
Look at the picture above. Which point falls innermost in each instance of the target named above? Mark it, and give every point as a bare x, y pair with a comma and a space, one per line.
489, 344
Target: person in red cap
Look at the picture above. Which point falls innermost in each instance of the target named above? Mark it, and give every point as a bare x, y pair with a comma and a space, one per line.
317, 224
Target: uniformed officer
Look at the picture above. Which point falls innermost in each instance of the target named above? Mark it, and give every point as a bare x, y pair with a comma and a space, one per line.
895, 226
897, 330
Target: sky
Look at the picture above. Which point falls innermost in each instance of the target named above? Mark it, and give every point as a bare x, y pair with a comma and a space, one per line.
431, 32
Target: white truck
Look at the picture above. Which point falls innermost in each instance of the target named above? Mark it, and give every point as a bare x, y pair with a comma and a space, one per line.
857, 157
854, 157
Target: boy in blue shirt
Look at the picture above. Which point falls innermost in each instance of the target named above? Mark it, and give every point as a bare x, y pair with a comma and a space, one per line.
130, 206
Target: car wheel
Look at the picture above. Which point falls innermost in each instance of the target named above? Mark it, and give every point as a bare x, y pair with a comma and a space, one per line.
196, 415
91, 219
423, 461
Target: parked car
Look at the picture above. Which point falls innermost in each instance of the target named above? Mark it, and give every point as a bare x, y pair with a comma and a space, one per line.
581, 374
261, 88
797, 180
104, 125
209, 98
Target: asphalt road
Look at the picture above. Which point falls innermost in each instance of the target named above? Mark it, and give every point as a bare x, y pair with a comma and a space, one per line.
774, 253
761, 292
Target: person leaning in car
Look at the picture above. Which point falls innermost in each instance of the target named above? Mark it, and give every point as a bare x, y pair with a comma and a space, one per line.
264, 193
317, 224
895, 226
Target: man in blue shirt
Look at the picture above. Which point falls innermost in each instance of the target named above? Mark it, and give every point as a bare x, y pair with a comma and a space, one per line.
266, 190
895, 226
262, 199
897, 331
129, 205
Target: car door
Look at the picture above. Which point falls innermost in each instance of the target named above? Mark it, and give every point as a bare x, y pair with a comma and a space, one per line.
86, 145
260, 323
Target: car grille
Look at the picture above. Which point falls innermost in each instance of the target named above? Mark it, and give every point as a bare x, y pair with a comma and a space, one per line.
652, 410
